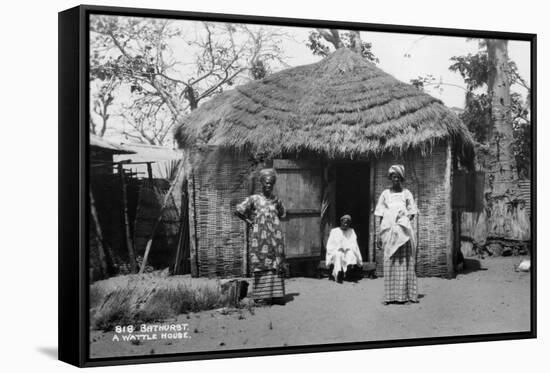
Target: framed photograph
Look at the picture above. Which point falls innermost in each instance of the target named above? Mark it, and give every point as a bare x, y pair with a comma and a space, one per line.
234, 186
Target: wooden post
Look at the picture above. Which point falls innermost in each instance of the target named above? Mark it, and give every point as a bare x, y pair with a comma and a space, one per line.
159, 219
149, 171
193, 243
181, 265
100, 240
246, 269
177, 261
129, 244
327, 206
449, 214
372, 225
456, 237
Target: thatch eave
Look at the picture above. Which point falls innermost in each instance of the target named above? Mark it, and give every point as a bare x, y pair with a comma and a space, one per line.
340, 107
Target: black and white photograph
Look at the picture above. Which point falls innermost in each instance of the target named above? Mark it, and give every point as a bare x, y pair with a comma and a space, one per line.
261, 186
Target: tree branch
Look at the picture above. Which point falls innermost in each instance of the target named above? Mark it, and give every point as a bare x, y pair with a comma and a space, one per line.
332, 36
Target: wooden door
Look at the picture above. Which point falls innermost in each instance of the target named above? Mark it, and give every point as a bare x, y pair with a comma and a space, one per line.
299, 188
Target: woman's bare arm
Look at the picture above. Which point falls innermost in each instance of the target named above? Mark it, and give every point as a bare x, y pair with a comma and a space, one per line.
243, 217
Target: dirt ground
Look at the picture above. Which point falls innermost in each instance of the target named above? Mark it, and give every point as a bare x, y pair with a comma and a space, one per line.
489, 297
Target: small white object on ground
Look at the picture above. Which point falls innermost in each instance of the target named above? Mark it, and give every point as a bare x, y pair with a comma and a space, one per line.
525, 265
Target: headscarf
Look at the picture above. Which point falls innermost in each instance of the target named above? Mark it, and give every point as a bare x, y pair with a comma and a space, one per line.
397, 169
267, 172
345, 217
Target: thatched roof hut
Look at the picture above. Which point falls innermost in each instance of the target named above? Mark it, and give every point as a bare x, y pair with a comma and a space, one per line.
331, 129
342, 107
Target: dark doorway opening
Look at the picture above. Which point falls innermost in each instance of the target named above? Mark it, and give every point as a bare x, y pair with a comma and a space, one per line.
352, 198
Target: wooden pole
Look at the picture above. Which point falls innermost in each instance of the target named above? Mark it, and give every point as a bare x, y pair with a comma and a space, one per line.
182, 254
372, 225
193, 242
159, 219
129, 244
449, 213
100, 241
149, 171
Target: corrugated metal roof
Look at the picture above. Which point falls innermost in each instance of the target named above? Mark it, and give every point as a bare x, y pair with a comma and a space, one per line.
148, 153
100, 142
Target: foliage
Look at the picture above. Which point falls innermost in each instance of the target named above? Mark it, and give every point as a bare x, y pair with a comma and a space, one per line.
102, 98
475, 70
258, 70
423, 81
317, 45
145, 56
477, 115
147, 122
521, 145
318, 39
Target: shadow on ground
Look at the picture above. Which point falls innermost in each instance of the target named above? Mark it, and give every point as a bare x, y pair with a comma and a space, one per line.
472, 265
290, 297
50, 352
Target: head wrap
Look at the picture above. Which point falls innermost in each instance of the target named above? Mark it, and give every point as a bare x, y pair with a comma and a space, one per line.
397, 169
345, 217
267, 172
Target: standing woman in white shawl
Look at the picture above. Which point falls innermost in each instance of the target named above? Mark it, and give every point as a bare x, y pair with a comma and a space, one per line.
396, 209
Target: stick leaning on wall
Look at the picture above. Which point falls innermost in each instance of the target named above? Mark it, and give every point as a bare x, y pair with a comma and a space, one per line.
159, 218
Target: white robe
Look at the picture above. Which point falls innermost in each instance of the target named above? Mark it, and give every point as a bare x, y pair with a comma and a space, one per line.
396, 228
342, 250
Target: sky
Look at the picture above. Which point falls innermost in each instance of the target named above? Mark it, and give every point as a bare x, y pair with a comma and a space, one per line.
405, 56
428, 55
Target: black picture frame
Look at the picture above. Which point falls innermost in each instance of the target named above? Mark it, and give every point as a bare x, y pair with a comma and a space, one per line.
73, 183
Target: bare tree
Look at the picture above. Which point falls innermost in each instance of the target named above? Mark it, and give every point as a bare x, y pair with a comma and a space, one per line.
332, 36
147, 123
102, 100
318, 39
140, 53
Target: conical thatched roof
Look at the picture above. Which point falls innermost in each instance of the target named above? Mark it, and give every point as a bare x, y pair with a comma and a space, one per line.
342, 106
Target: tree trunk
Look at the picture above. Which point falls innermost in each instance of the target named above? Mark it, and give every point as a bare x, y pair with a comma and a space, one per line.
501, 189
191, 97
104, 119
501, 162
357, 43
332, 36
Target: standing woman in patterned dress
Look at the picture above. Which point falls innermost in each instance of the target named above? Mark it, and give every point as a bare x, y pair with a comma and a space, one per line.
263, 213
396, 209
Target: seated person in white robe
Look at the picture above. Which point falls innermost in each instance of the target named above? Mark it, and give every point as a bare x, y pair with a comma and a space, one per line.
342, 249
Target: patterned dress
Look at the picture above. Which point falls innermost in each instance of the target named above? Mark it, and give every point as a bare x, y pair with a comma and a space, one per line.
266, 237
399, 245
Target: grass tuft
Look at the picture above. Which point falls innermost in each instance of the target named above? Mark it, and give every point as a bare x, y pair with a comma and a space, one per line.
134, 305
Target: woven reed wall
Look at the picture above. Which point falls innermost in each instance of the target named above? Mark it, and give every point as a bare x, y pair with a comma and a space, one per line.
524, 186
218, 183
428, 179
220, 180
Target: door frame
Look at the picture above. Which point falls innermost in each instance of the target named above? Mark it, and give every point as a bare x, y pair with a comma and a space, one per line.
368, 249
